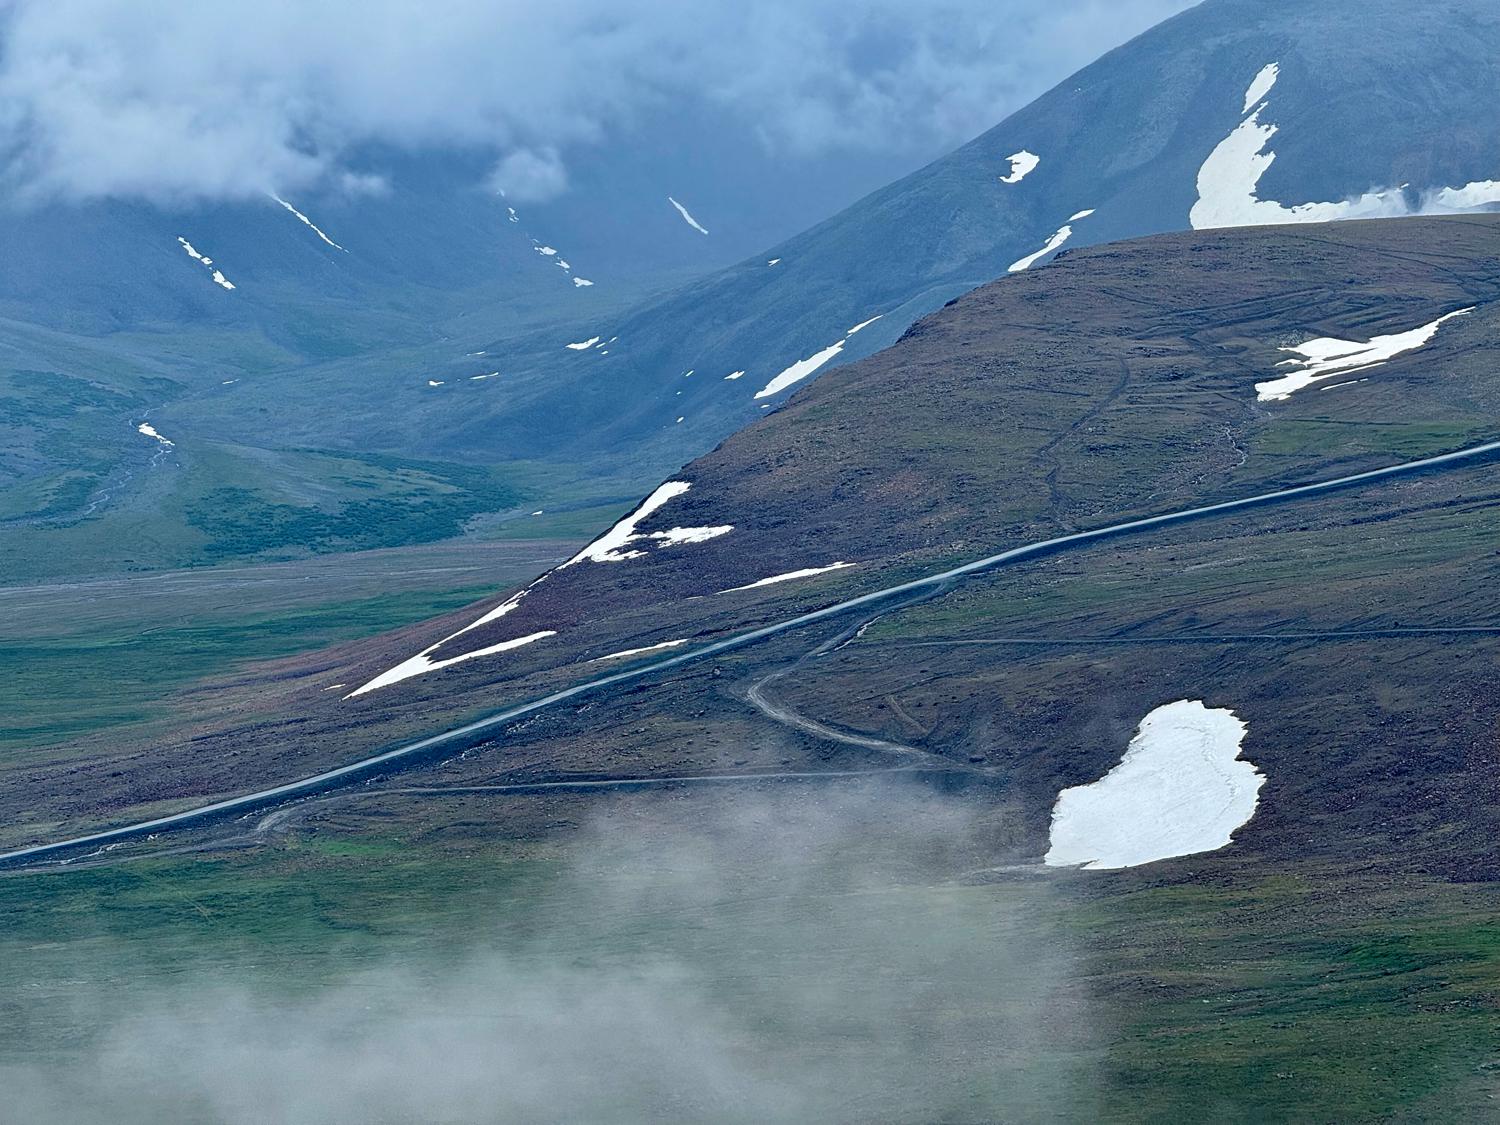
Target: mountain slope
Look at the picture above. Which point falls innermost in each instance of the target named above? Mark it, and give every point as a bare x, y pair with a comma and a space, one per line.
1233, 112
1368, 103
1124, 380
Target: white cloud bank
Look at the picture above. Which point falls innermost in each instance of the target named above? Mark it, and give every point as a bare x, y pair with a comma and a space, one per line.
169, 101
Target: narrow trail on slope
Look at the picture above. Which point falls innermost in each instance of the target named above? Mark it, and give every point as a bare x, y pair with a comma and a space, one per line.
482, 729
786, 716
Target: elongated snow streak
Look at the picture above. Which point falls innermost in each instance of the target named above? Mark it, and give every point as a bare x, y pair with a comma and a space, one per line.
149, 431
1230, 177
218, 277
733, 375
805, 367
686, 217
1064, 233
1022, 164
583, 345
639, 651
420, 665
791, 576
1327, 357
1261, 85
1181, 789
309, 223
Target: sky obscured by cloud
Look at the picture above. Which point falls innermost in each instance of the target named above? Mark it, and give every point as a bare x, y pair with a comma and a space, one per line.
168, 100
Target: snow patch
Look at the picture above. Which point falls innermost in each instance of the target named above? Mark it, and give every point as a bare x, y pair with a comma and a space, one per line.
686, 217
791, 576
477, 378
733, 375
149, 430
1180, 789
1261, 85
639, 651
1329, 356
805, 367
1230, 177
1062, 235
801, 370
420, 664
583, 345
773, 261
309, 223
218, 277
435, 382
618, 544
1022, 164
581, 283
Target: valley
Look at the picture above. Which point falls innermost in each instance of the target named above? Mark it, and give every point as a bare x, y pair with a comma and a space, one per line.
529, 592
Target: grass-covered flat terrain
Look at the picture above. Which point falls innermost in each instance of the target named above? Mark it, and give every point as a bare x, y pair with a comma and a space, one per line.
839, 953
106, 656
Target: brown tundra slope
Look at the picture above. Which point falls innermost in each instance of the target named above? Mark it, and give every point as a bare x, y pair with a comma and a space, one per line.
1119, 381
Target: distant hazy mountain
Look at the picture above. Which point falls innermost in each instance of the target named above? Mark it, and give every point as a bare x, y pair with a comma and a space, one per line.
1234, 113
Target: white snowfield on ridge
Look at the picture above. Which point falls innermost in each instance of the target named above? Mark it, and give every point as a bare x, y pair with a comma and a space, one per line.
1230, 177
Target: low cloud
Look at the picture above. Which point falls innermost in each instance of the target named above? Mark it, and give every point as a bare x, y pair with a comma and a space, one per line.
529, 176
821, 955
172, 101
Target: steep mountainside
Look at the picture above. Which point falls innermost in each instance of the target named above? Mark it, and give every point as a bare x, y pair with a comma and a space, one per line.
1237, 112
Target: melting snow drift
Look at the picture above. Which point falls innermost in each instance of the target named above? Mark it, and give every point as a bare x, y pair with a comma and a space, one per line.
1022, 164
1181, 789
619, 544
1328, 356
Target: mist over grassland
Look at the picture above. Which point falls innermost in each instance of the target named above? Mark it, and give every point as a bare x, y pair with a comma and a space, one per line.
800, 955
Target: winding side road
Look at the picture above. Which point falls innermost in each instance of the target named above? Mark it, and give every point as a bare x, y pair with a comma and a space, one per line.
933, 584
